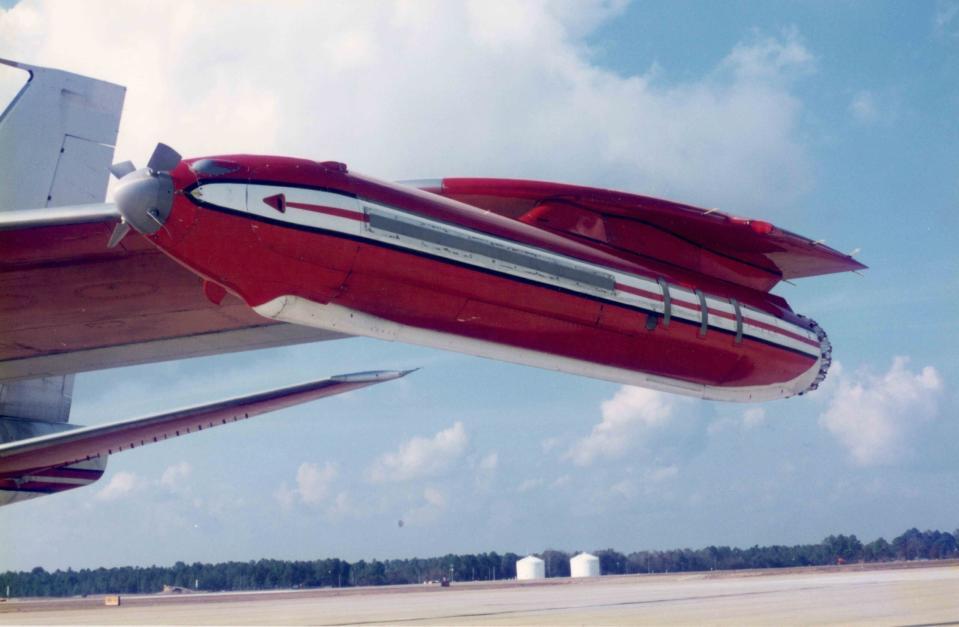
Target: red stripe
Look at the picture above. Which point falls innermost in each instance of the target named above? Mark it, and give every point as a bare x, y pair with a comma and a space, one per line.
682, 303
719, 314
775, 329
639, 292
332, 211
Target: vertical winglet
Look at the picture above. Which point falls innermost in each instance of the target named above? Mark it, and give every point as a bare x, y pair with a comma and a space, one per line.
61, 129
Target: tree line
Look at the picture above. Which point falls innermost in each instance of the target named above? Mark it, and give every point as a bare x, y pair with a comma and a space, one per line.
267, 574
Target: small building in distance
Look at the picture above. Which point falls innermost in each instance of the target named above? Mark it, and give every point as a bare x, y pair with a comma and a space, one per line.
584, 565
529, 568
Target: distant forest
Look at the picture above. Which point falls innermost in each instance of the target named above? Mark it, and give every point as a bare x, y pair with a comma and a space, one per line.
269, 574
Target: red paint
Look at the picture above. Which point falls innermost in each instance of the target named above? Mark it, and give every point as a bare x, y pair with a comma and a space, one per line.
330, 211
277, 201
261, 261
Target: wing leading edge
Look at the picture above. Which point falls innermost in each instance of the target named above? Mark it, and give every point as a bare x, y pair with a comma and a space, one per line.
69, 459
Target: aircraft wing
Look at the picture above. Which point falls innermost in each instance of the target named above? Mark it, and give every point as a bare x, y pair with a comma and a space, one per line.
70, 304
74, 457
750, 252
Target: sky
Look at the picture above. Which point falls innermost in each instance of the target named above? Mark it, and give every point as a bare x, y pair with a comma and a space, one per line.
836, 120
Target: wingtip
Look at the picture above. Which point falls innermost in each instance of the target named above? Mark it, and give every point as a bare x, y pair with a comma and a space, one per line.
372, 376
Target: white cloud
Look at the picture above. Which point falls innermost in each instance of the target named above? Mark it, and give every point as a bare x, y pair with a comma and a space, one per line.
751, 418
431, 89
630, 416
486, 471
174, 476
864, 108
121, 485
433, 505
421, 457
875, 417
313, 483
490, 462
771, 58
754, 417
285, 496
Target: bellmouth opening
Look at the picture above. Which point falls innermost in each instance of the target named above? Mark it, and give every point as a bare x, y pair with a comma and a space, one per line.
213, 167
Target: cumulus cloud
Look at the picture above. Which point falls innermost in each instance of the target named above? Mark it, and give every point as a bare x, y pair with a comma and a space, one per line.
421, 457
433, 504
433, 89
313, 483
631, 416
121, 485
490, 462
752, 418
771, 58
876, 417
486, 470
174, 476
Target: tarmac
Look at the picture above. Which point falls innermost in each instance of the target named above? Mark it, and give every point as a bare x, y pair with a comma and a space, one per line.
904, 594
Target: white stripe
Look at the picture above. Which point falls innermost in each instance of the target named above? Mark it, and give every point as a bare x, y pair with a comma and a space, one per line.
336, 318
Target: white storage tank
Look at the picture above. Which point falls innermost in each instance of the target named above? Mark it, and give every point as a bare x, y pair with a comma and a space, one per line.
530, 567
584, 565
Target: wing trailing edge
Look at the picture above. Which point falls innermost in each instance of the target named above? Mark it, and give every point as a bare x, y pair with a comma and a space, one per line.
749, 252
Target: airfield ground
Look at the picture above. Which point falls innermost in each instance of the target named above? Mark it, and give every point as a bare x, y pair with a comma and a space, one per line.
904, 594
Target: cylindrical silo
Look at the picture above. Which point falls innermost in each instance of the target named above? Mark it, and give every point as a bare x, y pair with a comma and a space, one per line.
530, 567
584, 565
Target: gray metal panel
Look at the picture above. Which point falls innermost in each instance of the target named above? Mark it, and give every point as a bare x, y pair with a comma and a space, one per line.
704, 313
52, 107
82, 172
47, 399
511, 256
12, 429
50, 216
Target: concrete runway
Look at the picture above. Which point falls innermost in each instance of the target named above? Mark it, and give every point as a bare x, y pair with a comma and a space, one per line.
848, 595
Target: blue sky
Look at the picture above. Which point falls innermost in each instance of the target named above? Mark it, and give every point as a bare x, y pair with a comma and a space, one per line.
834, 120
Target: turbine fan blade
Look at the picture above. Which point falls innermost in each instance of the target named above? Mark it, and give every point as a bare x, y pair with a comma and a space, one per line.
164, 159
119, 232
119, 170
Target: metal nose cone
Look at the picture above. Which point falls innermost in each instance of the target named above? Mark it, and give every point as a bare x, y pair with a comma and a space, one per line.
144, 199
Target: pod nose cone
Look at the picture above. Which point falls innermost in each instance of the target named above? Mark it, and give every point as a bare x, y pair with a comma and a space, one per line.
144, 199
